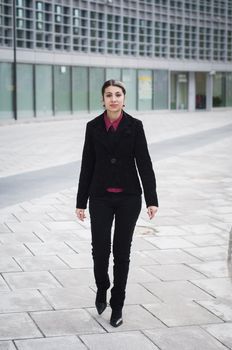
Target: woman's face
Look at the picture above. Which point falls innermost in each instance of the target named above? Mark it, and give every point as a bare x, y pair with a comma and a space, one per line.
113, 98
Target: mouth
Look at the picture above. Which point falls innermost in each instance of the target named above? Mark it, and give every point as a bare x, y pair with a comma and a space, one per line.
114, 105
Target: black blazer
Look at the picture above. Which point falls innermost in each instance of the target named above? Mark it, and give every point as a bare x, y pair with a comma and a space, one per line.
104, 165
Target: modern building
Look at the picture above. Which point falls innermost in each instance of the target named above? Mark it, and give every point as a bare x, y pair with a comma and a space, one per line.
55, 54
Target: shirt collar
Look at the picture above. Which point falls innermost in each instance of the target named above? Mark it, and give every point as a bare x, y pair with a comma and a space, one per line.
115, 123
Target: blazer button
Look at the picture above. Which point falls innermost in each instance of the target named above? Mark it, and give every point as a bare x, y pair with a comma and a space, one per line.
113, 160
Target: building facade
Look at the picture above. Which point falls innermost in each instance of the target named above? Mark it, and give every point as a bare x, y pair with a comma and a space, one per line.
55, 55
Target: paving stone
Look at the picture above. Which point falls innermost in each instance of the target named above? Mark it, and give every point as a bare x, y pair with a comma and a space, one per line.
56, 236
213, 268
7, 264
201, 229
27, 227
20, 237
30, 280
14, 250
33, 216
54, 343
137, 294
222, 332
74, 277
70, 298
171, 256
185, 338
40, 263
115, 341
20, 301
170, 242
173, 272
63, 225
204, 240
140, 243
138, 258
3, 285
218, 287
77, 260
17, 326
219, 307
4, 229
139, 275
135, 317
80, 246
176, 291
185, 313
66, 322
49, 248
170, 231
208, 253
7, 345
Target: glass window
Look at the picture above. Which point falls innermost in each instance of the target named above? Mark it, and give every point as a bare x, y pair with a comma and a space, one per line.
144, 89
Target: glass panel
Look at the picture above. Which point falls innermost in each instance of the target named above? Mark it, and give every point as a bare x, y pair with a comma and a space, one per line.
129, 79
96, 80
229, 89
80, 88
179, 90
200, 90
219, 90
145, 89
62, 89
43, 90
6, 98
113, 73
160, 89
25, 90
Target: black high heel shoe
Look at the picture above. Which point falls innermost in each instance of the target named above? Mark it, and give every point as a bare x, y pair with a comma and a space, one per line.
100, 301
116, 318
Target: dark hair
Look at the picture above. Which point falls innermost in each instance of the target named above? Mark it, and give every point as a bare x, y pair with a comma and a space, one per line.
113, 82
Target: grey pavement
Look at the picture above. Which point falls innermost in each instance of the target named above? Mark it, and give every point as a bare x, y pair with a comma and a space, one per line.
179, 293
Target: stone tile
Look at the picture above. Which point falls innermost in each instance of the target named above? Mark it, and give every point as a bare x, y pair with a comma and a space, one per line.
201, 229
20, 301
15, 238
173, 272
3, 285
138, 258
27, 227
170, 242
176, 291
14, 250
63, 225
80, 246
218, 287
66, 322
171, 256
70, 298
219, 307
56, 236
218, 268
185, 313
205, 240
222, 332
4, 229
53, 343
7, 345
185, 338
135, 317
208, 253
137, 294
33, 216
140, 243
139, 275
49, 248
74, 277
31, 280
17, 326
40, 263
84, 234
7, 264
115, 341
82, 260
170, 231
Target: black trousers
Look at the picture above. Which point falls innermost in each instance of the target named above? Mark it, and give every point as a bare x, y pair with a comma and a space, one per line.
124, 210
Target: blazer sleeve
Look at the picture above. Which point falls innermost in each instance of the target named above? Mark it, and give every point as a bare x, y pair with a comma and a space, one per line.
87, 168
144, 165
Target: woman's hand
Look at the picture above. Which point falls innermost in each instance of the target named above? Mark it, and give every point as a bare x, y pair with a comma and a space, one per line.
151, 211
80, 213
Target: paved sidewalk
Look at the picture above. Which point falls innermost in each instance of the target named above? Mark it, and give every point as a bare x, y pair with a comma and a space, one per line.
179, 292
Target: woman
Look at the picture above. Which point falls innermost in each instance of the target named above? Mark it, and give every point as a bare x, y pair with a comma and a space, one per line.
115, 147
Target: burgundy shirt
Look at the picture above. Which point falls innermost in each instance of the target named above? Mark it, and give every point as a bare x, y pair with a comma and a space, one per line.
115, 125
